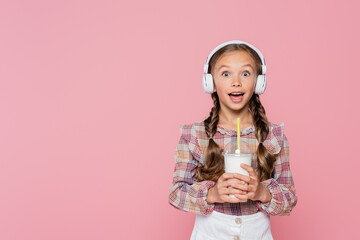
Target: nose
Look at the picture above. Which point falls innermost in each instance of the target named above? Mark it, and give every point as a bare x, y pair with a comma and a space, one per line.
236, 82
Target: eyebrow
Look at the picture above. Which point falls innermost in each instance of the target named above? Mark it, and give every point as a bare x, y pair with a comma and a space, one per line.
241, 66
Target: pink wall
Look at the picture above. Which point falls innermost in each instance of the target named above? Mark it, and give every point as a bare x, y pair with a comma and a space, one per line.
92, 94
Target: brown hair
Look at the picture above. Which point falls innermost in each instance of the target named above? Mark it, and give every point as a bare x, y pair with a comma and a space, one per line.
214, 160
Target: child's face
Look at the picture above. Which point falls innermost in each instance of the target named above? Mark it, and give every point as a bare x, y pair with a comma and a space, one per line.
238, 75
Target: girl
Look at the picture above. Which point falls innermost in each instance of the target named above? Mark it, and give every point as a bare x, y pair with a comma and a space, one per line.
234, 74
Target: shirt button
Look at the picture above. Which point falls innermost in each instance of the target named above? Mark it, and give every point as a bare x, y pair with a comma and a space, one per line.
236, 237
238, 220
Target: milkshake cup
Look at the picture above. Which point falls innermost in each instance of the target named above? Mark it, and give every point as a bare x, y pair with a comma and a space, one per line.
232, 164
233, 159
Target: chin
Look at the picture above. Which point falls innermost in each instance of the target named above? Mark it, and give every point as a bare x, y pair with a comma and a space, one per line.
239, 106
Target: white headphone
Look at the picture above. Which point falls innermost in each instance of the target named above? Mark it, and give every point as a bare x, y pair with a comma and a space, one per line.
208, 83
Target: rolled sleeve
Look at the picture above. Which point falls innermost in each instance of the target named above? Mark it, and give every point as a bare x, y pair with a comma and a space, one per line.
281, 186
185, 192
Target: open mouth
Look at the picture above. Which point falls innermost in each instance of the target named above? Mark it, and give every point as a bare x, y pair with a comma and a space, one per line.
236, 97
236, 94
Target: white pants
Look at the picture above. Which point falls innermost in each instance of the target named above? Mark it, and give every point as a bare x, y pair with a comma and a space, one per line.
220, 226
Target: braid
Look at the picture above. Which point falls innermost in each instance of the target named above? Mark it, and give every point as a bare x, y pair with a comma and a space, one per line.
212, 121
214, 161
264, 157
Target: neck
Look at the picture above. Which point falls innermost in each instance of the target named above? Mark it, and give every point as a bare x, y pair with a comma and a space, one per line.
227, 117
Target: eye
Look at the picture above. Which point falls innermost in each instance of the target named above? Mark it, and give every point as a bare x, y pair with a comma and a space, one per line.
227, 74
248, 74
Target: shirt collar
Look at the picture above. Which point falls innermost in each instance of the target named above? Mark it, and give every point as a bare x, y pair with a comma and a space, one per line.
232, 132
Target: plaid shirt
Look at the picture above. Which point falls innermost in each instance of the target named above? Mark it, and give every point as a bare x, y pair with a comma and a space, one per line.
187, 194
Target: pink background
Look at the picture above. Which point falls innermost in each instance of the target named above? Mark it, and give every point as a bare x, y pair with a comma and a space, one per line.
92, 94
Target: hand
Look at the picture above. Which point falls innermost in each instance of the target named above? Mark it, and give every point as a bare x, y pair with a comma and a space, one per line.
255, 190
225, 186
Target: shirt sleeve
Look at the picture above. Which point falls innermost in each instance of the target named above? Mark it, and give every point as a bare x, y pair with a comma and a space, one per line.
281, 186
186, 193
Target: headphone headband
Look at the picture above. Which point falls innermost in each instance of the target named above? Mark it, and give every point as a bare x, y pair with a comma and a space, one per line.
263, 66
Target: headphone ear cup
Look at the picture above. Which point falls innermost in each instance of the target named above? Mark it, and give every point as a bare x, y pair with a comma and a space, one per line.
208, 83
260, 84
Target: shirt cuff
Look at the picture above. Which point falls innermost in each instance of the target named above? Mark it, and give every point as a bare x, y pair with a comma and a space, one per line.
271, 207
205, 208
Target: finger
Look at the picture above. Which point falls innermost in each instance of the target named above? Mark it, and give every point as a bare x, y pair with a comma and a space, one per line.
234, 191
234, 181
229, 183
233, 199
229, 190
227, 176
242, 197
250, 196
242, 177
247, 188
249, 169
226, 191
239, 185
